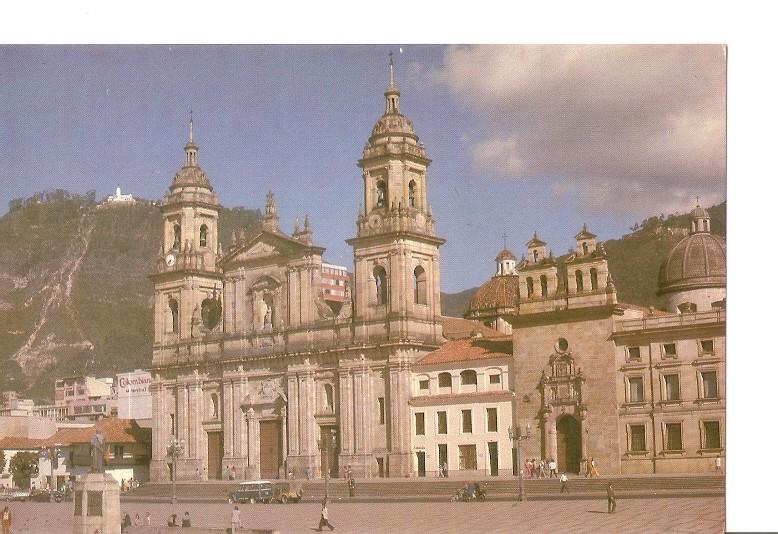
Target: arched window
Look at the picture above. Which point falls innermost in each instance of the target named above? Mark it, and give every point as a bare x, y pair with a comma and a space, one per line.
329, 398
381, 291
578, 281
214, 406
444, 380
211, 312
530, 288
593, 275
203, 235
707, 225
412, 194
177, 236
173, 307
468, 378
585, 248
420, 285
543, 285
380, 201
535, 255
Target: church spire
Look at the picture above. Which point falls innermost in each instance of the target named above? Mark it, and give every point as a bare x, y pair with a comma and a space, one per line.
190, 148
392, 93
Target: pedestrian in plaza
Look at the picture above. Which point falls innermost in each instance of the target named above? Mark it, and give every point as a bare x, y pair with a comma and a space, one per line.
308, 472
611, 499
352, 487
126, 522
348, 473
148, 519
186, 521
172, 521
6, 520
445, 469
563, 482
235, 519
324, 520
232, 473
718, 462
552, 467
440, 471
594, 471
136, 522
543, 468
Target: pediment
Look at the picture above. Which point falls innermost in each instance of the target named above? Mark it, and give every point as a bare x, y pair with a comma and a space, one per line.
265, 245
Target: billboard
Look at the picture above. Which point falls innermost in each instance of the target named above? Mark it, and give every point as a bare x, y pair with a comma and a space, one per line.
133, 391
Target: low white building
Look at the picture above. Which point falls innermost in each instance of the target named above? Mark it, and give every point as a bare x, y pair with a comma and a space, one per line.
462, 407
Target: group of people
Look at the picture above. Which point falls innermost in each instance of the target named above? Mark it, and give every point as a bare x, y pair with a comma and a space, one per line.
443, 470
540, 468
130, 484
589, 468
129, 521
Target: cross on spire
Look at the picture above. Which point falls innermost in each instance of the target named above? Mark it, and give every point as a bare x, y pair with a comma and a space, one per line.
504, 240
191, 127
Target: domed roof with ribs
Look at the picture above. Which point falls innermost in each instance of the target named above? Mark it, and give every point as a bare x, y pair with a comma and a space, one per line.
498, 292
699, 260
505, 254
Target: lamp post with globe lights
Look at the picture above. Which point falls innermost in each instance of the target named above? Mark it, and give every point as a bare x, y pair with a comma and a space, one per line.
515, 433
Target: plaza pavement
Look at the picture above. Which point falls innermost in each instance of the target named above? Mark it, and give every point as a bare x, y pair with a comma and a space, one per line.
661, 514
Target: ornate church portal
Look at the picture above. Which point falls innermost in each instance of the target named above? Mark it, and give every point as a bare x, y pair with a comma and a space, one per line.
252, 363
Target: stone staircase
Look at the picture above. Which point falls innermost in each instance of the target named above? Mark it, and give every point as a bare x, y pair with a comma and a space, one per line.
436, 489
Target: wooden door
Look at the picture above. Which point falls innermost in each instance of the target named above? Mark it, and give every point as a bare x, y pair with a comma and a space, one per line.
269, 448
215, 454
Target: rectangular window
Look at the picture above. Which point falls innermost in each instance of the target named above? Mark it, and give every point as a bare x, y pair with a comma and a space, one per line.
491, 419
636, 389
442, 423
467, 421
706, 346
467, 457
672, 388
381, 411
420, 424
669, 350
710, 388
633, 354
711, 436
673, 437
424, 384
637, 435
494, 379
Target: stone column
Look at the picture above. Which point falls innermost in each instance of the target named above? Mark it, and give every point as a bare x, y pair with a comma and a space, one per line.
252, 451
228, 411
197, 436
346, 415
293, 409
400, 446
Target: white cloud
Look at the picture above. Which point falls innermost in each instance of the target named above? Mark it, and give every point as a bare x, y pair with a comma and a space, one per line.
635, 128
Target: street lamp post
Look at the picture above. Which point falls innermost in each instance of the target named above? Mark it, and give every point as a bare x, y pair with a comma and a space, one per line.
50, 453
515, 434
174, 451
327, 443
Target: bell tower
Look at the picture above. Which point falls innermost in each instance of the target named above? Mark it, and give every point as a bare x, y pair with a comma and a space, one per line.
188, 285
396, 251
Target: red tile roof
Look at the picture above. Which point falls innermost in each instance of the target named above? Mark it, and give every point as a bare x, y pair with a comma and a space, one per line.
462, 350
115, 431
497, 292
16, 442
458, 328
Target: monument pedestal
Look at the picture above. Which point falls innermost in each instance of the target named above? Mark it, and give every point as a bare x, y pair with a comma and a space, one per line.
96, 505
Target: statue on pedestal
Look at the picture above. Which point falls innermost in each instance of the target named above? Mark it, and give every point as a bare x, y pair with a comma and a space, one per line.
98, 451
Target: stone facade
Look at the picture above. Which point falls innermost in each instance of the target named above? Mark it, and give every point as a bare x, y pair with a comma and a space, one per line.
253, 367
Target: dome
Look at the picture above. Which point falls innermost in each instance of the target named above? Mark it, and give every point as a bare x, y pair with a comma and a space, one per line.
393, 124
699, 260
498, 292
505, 254
191, 176
699, 212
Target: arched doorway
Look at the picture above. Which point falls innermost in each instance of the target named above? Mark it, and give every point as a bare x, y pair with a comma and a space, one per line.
568, 443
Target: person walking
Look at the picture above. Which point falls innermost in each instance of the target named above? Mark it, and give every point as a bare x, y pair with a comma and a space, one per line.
186, 521
5, 519
235, 520
352, 487
324, 520
148, 519
552, 467
718, 462
611, 499
594, 471
563, 482
126, 522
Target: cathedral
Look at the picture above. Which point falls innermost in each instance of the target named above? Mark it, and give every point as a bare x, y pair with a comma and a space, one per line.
254, 371
259, 371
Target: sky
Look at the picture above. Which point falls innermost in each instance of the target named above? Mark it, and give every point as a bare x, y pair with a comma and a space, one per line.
523, 138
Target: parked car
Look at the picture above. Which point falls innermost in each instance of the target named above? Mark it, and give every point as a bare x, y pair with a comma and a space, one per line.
252, 491
46, 496
291, 492
17, 495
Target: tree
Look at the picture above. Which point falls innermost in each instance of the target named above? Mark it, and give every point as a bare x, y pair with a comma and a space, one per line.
2, 460
23, 466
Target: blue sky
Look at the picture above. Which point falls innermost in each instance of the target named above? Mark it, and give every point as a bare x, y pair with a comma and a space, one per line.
521, 138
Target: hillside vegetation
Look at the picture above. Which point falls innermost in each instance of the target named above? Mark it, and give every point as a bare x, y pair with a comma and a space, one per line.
75, 297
